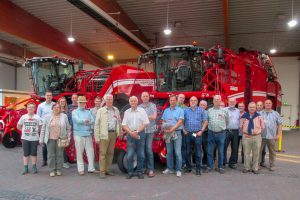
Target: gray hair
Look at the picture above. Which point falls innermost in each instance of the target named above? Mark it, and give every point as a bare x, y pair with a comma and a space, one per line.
217, 96
203, 101
107, 95
252, 103
133, 97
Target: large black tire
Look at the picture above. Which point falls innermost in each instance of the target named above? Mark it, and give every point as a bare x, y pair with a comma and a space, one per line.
122, 161
11, 140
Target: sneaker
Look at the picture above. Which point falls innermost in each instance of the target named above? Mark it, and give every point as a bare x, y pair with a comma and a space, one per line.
81, 173
66, 165
25, 170
34, 169
140, 176
167, 171
102, 175
109, 173
178, 173
198, 173
52, 174
221, 171
58, 173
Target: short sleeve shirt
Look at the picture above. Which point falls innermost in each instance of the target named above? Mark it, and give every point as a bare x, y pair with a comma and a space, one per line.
193, 119
172, 115
272, 120
135, 118
30, 127
150, 109
217, 119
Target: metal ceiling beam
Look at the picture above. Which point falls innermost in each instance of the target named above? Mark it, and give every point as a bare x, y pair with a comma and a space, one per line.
111, 15
15, 50
226, 23
16, 21
286, 54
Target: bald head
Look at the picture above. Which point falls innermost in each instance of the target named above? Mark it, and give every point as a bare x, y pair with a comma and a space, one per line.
193, 102
203, 104
259, 106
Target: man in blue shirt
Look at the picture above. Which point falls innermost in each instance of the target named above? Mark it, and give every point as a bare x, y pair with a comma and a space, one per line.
195, 122
173, 117
232, 134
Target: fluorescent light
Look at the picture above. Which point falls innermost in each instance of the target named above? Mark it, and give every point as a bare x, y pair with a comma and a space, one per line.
167, 31
71, 39
110, 57
272, 51
292, 23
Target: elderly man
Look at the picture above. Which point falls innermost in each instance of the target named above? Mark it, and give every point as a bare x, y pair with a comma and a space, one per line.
273, 123
82, 121
203, 105
232, 133
252, 125
107, 128
217, 122
134, 123
195, 122
259, 109
151, 111
241, 107
43, 110
173, 117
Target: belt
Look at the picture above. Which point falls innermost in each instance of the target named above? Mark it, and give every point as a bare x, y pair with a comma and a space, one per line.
111, 131
217, 132
231, 130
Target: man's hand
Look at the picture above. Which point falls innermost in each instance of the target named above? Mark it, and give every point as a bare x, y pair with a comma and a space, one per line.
134, 134
97, 141
277, 137
184, 132
87, 121
200, 133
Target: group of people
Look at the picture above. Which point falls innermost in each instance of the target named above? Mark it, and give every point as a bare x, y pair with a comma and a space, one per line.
208, 132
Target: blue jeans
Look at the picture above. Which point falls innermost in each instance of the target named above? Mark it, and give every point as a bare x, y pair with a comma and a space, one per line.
215, 138
232, 138
184, 149
197, 141
174, 145
263, 153
138, 147
149, 151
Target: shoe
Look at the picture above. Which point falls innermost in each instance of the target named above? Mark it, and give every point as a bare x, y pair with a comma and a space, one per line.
167, 171
255, 171
81, 173
129, 176
271, 169
232, 166
151, 174
140, 176
187, 171
44, 163
109, 173
94, 171
58, 173
66, 165
25, 170
207, 170
34, 169
52, 174
178, 174
102, 175
245, 171
221, 171
262, 164
198, 173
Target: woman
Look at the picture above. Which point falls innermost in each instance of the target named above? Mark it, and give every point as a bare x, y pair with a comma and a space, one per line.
55, 126
64, 109
30, 125
251, 125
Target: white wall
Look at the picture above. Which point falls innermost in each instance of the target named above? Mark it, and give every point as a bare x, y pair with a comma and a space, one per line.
23, 82
288, 72
7, 76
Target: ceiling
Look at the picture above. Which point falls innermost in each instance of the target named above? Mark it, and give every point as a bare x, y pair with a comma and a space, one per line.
256, 24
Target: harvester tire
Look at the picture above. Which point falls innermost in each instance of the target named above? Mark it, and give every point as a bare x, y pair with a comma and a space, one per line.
11, 140
122, 161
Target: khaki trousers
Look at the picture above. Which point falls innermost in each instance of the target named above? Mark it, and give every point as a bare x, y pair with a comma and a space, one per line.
272, 153
106, 152
251, 144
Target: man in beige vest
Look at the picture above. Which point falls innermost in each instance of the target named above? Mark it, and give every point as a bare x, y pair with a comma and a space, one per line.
107, 128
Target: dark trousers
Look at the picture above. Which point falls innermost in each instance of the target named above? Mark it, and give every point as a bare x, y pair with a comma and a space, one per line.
232, 138
183, 149
240, 142
197, 143
263, 153
204, 147
45, 152
65, 156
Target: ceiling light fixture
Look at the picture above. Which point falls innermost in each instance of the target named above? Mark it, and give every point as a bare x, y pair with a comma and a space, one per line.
110, 57
293, 22
273, 50
71, 38
167, 31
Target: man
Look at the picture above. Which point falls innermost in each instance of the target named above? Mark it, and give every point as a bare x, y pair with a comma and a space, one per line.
151, 111
252, 125
203, 105
97, 103
180, 104
260, 108
232, 133
43, 110
134, 123
273, 127
241, 107
195, 122
217, 122
173, 117
107, 128
72, 107
82, 121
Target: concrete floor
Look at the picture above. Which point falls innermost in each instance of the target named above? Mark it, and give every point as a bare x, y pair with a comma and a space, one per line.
283, 184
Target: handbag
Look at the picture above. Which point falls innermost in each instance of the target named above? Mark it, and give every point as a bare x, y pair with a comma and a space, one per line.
63, 142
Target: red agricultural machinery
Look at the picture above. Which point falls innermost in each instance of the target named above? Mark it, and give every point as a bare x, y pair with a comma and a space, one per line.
191, 70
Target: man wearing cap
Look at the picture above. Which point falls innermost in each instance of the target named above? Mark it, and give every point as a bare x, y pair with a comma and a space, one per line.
82, 121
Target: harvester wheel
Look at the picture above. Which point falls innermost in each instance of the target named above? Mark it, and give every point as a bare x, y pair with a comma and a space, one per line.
122, 161
11, 139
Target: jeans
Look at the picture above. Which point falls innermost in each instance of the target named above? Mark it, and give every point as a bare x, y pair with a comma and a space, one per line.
138, 147
215, 138
204, 147
174, 145
149, 151
232, 138
241, 142
197, 142
263, 153
184, 149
